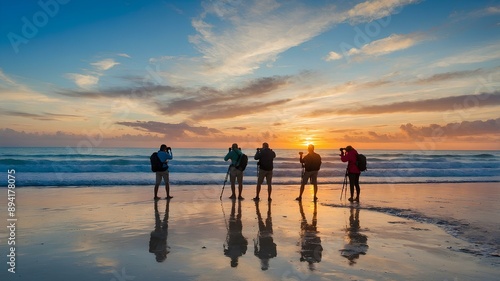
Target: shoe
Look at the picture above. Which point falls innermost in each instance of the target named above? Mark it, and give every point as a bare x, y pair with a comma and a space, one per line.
315, 199
240, 198
156, 198
256, 199
298, 198
350, 199
356, 199
232, 197
269, 199
169, 197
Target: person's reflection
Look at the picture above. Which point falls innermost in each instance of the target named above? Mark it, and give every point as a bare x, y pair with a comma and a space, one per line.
356, 241
311, 249
264, 246
158, 240
236, 244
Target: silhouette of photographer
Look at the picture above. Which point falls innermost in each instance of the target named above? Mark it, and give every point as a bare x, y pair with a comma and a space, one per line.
310, 243
264, 246
236, 244
158, 240
356, 241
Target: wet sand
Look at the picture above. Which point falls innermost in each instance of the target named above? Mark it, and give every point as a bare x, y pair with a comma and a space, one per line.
120, 233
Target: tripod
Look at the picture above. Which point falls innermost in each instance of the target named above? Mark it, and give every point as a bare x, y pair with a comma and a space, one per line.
344, 184
225, 180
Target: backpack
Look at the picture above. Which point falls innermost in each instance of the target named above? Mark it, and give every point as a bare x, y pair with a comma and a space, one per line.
361, 162
156, 164
242, 163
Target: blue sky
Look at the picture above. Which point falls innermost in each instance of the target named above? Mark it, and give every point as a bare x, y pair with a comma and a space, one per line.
373, 74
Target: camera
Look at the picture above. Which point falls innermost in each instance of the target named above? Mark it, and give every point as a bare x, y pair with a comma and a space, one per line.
301, 153
341, 149
169, 148
258, 148
229, 149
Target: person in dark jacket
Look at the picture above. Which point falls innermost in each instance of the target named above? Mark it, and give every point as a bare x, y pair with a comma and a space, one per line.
311, 164
265, 156
349, 155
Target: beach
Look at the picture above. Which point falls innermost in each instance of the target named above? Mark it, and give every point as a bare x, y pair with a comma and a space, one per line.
446, 231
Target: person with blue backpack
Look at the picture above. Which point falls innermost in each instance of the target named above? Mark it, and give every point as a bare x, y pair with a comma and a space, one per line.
163, 155
350, 155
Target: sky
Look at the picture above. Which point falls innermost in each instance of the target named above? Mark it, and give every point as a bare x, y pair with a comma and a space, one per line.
377, 74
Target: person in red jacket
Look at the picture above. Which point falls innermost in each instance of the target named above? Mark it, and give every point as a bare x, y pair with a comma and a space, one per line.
349, 154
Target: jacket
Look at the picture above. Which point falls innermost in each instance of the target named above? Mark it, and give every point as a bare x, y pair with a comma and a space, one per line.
312, 162
265, 157
350, 157
234, 155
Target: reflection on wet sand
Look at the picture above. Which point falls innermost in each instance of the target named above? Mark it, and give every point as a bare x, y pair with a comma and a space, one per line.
158, 240
236, 244
264, 246
356, 241
310, 243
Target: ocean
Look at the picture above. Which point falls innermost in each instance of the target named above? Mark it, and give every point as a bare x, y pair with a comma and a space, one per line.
463, 212
66, 166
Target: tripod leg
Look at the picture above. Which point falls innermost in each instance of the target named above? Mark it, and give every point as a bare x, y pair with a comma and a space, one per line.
225, 180
344, 185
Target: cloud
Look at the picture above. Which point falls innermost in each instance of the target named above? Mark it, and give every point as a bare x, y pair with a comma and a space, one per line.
124, 55
463, 102
391, 44
249, 34
333, 56
210, 103
475, 55
6, 78
450, 76
173, 131
376, 9
235, 110
480, 131
105, 64
139, 92
91, 78
83, 80
253, 33
42, 116
465, 128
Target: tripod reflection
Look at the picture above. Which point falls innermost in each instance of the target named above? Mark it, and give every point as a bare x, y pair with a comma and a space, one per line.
356, 241
310, 243
264, 246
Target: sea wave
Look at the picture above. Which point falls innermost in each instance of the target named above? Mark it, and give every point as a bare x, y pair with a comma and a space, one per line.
62, 166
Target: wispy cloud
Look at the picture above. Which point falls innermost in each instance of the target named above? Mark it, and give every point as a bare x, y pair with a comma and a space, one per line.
105, 64
254, 33
173, 131
465, 128
333, 56
428, 105
83, 80
210, 103
91, 77
490, 52
468, 131
391, 44
42, 116
375, 9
